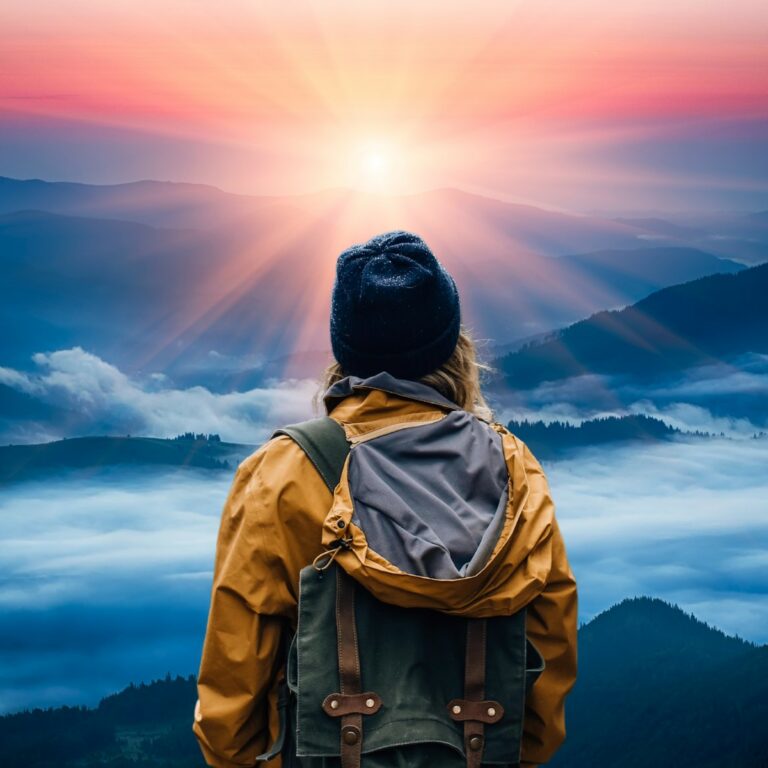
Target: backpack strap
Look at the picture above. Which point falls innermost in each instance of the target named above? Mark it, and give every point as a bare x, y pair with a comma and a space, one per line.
350, 703
474, 710
325, 443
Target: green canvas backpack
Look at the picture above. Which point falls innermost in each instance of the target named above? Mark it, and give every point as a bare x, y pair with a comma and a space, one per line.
373, 685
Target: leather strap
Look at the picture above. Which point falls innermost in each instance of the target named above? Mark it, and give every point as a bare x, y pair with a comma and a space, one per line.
474, 689
473, 710
338, 704
349, 670
488, 712
350, 704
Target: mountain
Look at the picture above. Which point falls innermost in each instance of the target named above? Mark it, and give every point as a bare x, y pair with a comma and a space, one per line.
155, 203
143, 726
742, 236
662, 229
635, 273
553, 440
232, 295
16, 405
656, 687
21, 462
707, 320
198, 206
110, 285
94, 454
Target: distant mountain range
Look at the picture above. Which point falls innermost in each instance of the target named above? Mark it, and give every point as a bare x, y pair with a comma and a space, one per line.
640, 271
708, 320
547, 441
655, 687
155, 203
188, 280
23, 462
740, 236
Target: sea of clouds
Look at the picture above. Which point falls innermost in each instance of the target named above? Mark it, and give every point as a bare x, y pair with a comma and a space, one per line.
106, 580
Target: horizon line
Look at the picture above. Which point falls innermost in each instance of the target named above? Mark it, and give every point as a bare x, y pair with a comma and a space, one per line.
490, 195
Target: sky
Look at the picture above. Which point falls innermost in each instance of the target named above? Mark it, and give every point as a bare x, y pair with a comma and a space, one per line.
571, 104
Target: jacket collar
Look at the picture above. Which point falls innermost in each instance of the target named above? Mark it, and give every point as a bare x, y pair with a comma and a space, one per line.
386, 382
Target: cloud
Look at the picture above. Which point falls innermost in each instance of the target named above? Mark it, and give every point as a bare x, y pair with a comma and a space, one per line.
88, 395
104, 582
695, 418
727, 398
100, 539
107, 581
745, 375
687, 522
96, 397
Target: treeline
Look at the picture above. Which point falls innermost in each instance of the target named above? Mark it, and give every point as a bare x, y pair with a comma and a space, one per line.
197, 438
655, 687
19, 462
548, 440
143, 726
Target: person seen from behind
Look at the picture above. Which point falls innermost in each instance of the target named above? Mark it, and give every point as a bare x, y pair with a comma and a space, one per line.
447, 636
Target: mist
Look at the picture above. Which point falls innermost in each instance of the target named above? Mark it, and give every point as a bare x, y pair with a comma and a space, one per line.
107, 581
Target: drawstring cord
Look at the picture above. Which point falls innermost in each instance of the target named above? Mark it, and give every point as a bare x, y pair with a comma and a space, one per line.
330, 554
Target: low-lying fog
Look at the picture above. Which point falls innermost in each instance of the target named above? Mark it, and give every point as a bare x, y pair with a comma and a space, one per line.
106, 581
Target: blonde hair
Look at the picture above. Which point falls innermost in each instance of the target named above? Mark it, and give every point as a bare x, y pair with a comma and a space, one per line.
458, 378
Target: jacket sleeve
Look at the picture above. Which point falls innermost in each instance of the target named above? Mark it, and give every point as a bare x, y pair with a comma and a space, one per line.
551, 626
255, 581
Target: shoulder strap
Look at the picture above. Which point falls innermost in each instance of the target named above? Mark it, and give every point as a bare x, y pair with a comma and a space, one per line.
325, 443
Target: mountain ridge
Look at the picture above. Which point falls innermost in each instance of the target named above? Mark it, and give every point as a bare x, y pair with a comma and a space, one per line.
693, 323
150, 724
144, 296
94, 453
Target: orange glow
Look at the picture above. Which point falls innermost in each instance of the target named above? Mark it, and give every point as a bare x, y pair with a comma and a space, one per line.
308, 84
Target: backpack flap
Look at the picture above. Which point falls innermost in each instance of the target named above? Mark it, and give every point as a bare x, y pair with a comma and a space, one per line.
413, 660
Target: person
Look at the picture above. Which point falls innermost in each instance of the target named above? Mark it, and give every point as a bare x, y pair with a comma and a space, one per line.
427, 502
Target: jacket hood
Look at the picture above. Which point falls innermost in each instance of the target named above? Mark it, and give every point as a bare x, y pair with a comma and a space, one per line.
385, 382
436, 508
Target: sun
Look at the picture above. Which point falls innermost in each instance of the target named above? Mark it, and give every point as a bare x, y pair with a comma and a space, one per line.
376, 164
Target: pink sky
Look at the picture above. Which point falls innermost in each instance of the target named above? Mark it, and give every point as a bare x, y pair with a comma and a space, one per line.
572, 104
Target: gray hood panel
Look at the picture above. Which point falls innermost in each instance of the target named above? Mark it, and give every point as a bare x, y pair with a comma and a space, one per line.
386, 382
432, 498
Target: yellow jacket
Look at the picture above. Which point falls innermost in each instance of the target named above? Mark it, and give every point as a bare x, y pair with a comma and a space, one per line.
279, 515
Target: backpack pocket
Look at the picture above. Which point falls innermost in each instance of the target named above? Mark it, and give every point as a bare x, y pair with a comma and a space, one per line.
414, 661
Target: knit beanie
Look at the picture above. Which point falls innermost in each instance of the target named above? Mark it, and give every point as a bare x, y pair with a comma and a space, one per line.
394, 308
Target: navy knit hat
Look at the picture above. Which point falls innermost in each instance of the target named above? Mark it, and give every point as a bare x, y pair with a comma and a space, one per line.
394, 308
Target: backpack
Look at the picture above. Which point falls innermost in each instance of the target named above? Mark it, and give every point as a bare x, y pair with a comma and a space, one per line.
373, 685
